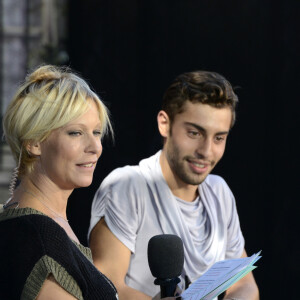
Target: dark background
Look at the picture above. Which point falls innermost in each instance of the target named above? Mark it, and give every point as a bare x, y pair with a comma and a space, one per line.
130, 51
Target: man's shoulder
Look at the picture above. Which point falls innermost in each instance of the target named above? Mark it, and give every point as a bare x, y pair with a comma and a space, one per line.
217, 186
135, 173
128, 170
127, 175
215, 181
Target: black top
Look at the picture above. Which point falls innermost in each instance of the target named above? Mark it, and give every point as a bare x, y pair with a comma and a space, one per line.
32, 246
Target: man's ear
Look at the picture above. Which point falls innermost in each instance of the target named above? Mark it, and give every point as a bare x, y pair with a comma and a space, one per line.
34, 148
163, 123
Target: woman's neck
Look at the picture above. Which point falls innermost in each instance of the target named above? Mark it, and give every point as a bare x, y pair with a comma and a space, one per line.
51, 202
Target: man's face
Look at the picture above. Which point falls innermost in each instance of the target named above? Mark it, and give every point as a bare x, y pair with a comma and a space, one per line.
196, 141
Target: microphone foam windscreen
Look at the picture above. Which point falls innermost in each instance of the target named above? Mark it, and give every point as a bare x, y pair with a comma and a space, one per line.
165, 256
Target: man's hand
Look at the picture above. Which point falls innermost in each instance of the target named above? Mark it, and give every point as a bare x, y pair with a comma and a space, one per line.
244, 289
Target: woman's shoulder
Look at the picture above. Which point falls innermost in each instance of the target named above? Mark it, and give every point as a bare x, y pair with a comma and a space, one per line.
27, 225
20, 221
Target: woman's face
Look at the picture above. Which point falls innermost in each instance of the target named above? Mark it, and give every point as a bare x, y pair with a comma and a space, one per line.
69, 155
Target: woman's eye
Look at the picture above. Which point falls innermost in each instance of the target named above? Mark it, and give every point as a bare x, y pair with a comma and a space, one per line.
74, 133
97, 133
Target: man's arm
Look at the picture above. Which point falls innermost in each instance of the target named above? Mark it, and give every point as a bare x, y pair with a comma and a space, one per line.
244, 289
112, 258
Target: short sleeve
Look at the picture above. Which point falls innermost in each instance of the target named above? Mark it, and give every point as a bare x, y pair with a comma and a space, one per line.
235, 242
118, 200
235, 239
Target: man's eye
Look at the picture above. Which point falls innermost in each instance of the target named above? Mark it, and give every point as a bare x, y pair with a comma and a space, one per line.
193, 134
220, 138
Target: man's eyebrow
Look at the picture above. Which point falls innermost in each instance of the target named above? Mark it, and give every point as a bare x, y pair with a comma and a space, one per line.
200, 128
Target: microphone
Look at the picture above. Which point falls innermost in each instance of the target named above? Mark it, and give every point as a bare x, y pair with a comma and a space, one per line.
165, 258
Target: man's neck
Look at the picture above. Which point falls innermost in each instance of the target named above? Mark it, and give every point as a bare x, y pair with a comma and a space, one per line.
187, 194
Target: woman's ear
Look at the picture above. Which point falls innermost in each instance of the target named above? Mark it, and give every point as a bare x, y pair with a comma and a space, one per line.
34, 148
163, 123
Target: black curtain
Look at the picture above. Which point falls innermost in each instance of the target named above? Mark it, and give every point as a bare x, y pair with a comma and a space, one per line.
130, 51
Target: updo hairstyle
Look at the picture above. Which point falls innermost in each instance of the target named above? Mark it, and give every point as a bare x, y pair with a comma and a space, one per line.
49, 98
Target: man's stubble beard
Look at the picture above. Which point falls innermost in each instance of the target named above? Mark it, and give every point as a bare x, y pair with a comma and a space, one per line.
179, 167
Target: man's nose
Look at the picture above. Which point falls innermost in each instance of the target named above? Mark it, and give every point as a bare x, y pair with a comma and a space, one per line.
205, 148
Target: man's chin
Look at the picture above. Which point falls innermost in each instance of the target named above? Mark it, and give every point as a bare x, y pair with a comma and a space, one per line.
197, 179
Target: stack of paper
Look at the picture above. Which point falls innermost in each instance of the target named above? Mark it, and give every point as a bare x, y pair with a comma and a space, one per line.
220, 277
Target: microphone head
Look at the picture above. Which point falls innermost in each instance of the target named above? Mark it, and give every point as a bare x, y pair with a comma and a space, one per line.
165, 256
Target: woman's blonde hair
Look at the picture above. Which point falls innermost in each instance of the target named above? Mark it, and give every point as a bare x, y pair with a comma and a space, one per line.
49, 98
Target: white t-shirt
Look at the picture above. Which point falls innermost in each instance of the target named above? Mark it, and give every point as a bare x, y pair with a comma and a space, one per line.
138, 204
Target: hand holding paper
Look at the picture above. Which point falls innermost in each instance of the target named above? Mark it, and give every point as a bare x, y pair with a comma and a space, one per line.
220, 277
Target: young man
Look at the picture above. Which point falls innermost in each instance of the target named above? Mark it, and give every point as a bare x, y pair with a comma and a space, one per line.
173, 193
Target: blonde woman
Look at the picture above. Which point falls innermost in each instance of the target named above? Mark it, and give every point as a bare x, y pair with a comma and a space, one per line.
54, 127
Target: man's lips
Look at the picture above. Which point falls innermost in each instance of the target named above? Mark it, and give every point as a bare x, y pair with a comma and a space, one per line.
198, 166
